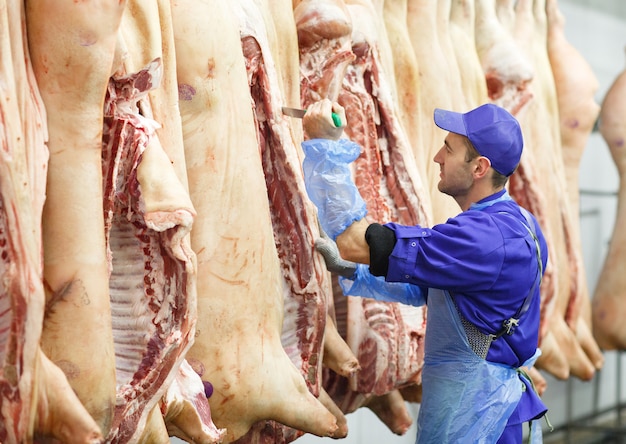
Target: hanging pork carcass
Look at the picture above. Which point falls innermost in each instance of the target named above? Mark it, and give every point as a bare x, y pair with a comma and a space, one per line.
576, 85
344, 41
72, 57
37, 400
133, 229
408, 84
608, 297
563, 355
463, 35
440, 88
270, 48
241, 286
388, 345
150, 215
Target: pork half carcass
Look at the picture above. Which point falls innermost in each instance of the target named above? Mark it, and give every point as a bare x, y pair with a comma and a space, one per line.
507, 71
323, 31
576, 85
241, 286
463, 36
72, 56
428, 24
269, 42
540, 123
608, 307
145, 133
386, 338
153, 275
37, 400
386, 341
408, 83
386, 174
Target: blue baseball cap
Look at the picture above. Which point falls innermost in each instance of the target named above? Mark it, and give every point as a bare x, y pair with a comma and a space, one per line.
493, 131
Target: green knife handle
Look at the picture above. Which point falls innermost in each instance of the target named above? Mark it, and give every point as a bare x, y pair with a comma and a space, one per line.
336, 119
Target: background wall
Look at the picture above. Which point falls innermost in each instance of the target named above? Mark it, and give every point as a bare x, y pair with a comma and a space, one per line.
597, 28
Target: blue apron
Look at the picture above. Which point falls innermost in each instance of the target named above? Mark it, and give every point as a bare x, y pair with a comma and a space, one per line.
465, 399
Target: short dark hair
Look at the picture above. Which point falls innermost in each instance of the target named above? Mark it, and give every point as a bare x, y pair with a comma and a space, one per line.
498, 179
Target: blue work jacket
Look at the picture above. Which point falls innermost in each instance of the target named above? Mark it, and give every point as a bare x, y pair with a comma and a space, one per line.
486, 258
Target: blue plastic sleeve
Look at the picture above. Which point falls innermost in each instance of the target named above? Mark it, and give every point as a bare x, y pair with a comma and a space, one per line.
329, 184
366, 285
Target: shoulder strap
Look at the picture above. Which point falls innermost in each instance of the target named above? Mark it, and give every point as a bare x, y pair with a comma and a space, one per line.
508, 325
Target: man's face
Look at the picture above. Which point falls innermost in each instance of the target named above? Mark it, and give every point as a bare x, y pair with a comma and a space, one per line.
455, 171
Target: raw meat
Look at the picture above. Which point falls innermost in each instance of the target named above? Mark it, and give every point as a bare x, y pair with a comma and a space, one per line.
608, 305
152, 266
576, 85
37, 400
463, 35
72, 56
266, 43
323, 29
440, 88
408, 85
186, 409
241, 286
385, 173
508, 72
529, 28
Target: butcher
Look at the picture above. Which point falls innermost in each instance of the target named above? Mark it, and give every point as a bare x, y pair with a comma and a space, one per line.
479, 272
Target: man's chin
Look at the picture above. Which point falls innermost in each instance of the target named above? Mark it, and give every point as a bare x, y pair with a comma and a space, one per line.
442, 188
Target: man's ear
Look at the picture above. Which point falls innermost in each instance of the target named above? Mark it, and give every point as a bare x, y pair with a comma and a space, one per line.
482, 167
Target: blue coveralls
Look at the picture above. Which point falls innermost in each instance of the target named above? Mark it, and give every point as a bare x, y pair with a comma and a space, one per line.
482, 265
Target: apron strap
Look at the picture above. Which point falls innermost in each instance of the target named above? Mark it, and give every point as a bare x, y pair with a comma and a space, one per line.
481, 342
508, 325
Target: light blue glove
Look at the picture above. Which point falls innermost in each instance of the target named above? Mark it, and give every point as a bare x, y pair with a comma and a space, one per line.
366, 285
329, 184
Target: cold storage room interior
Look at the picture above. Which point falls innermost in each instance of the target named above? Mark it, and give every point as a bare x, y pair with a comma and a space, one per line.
161, 276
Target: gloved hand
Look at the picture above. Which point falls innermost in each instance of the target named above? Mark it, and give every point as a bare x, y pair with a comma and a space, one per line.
327, 175
318, 122
329, 184
334, 262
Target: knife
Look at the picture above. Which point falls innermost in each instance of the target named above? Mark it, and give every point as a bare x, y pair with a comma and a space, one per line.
299, 113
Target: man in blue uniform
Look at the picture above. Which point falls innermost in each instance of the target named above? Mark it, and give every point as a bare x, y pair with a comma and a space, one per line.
478, 272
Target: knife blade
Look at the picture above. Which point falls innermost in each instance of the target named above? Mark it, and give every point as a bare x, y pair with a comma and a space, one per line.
299, 113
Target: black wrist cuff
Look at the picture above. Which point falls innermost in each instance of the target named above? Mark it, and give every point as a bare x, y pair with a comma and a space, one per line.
381, 241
